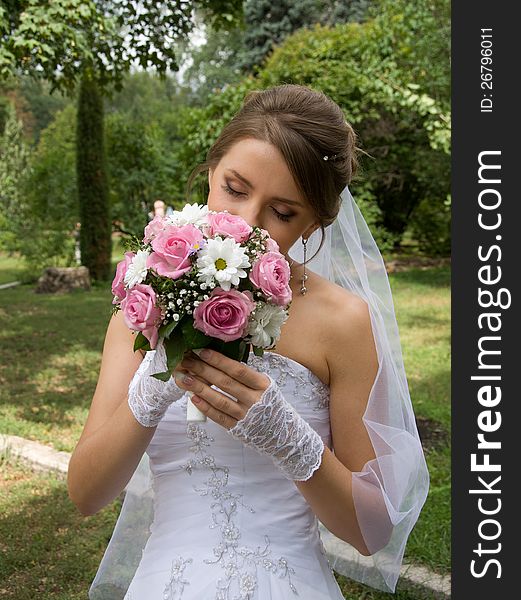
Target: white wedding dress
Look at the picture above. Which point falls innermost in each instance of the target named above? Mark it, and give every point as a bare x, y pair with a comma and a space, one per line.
227, 524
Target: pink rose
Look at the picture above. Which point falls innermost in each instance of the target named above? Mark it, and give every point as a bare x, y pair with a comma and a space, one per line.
271, 244
172, 250
222, 223
271, 274
141, 312
225, 314
156, 225
118, 285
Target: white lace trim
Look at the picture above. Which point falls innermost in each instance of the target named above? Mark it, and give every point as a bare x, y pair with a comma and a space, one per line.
148, 397
273, 426
308, 386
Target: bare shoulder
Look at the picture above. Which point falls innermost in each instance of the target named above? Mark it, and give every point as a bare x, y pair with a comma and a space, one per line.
346, 323
344, 313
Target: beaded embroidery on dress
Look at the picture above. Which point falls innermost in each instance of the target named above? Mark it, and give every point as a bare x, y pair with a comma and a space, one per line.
227, 524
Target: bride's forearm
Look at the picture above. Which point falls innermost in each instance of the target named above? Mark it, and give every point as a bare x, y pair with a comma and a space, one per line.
329, 493
103, 463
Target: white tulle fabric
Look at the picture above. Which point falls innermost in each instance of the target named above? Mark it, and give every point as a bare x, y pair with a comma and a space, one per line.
390, 491
181, 561
148, 397
273, 426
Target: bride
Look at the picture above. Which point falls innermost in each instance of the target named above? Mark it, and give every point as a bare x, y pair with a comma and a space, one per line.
320, 428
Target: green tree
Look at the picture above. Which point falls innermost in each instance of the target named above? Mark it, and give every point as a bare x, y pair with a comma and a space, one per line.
136, 171
95, 238
213, 64
14, 159
142, 137
379, 74
56, 41
268, 24
228, 55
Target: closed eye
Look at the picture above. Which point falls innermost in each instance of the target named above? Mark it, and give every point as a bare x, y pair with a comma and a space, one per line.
232, 192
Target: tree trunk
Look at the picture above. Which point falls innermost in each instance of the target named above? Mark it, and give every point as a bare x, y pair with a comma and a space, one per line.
95, 232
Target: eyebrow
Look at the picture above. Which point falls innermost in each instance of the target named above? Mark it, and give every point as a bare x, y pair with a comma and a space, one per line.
244, 180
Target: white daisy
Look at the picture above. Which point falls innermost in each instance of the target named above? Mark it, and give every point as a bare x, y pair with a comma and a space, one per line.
264, 328
222, 260
137, 270
195, 214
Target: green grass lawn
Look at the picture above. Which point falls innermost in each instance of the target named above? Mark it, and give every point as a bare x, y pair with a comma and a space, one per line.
50, 355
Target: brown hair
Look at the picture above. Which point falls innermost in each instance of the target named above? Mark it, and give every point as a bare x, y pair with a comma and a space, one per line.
304, 125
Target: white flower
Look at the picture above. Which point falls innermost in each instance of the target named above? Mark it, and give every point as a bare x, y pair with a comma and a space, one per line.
137, 270
222, 260
195, 214
264, 328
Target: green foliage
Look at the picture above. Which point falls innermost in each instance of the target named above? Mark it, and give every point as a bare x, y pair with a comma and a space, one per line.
142, 137
268, 24
5, 109
77, 34
95, 232
390, 73
431, 226
14, 159
213, 64
63, 41
229, 54
41, 104
42, 202
40, 37
135, 169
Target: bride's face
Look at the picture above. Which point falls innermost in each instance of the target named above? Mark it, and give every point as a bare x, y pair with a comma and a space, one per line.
253, 181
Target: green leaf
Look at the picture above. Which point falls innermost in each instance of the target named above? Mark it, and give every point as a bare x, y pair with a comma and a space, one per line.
163, 376
258, 351
166, 330
245, 351
193, 337
229, 349
175, 349
141, 343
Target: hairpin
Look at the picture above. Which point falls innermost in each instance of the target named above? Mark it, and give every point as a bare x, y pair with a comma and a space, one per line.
326, 157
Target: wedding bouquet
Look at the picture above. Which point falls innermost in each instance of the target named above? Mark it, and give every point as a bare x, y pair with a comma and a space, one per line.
202, 278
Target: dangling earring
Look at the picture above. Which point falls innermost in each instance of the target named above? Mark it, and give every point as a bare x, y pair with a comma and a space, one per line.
303, 288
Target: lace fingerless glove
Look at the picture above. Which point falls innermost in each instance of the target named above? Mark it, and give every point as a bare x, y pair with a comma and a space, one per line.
273, 426
148, 397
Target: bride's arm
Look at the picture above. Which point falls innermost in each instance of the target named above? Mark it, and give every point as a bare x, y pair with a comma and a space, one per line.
113, 440
353, 365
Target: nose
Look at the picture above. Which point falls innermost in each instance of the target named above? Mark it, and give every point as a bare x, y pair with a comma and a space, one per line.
251, 213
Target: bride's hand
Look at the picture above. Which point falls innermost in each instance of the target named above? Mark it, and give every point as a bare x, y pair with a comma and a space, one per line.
180, 370
231, 376
261, 418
